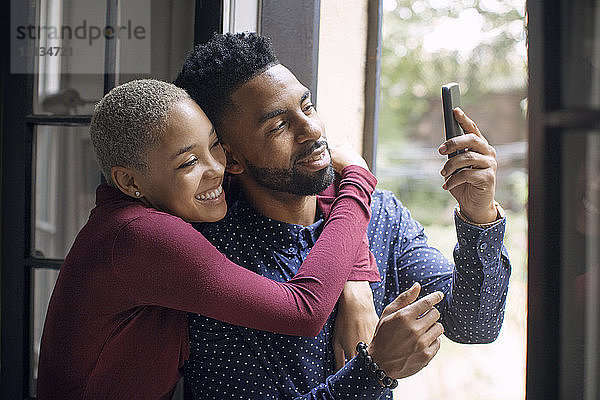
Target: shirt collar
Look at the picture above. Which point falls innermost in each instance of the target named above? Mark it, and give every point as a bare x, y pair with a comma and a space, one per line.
278, 235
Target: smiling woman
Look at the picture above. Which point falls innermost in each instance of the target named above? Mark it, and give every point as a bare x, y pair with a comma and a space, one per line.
116, 325
183, 173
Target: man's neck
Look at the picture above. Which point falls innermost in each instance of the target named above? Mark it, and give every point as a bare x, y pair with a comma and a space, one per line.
280, 206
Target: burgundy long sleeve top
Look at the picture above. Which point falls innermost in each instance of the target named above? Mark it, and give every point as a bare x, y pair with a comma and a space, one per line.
116, 324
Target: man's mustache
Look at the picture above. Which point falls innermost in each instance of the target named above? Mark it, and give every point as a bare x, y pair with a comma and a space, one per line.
312, 148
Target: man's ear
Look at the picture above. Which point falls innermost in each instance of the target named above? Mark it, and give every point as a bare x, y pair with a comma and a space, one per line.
233, 165
125, 179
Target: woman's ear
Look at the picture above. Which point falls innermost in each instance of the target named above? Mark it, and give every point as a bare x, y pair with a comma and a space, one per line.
233, 166
125, 180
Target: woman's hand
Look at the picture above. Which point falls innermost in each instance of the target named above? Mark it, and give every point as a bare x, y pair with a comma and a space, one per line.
356, 320
344, 155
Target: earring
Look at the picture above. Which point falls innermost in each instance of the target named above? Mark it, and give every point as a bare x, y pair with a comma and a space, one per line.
137, 193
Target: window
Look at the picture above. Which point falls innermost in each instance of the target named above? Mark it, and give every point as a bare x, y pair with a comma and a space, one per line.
564, 121
480, 45
65, 55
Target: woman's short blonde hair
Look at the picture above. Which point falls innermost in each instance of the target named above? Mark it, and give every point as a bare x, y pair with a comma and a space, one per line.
129, 121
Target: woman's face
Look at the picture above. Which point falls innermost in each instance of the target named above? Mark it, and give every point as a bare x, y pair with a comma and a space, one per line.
185, 171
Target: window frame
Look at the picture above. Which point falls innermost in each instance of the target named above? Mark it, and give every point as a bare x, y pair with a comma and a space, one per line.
18, 124
548, 123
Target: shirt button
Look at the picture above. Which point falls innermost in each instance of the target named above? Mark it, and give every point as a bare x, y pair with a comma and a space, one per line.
291, 249
483, 246
463, 241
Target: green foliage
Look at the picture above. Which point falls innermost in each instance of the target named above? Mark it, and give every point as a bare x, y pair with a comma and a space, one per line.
427, 43
427, 203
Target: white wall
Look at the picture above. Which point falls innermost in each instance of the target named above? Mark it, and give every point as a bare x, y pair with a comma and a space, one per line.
342, 60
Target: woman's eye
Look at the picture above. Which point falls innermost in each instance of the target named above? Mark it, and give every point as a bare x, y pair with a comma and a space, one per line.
192, 161
215, 144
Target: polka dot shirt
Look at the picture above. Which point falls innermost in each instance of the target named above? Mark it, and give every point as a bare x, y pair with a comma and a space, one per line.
233, 362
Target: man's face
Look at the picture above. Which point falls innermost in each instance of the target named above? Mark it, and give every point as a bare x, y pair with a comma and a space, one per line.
276, 136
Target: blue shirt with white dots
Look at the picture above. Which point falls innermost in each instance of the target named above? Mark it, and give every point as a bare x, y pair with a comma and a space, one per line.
233, 362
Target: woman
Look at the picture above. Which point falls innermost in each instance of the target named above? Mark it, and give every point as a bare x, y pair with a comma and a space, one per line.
116, 324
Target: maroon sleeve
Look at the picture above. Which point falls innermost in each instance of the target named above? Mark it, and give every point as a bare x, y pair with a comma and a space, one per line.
164, 261
365, 266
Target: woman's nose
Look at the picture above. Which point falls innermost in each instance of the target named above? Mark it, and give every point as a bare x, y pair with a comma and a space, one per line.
214, 168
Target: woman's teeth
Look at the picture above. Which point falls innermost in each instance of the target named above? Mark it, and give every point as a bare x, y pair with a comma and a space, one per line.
210, 195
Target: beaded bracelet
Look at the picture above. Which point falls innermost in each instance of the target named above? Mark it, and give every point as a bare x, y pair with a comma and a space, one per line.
372, 366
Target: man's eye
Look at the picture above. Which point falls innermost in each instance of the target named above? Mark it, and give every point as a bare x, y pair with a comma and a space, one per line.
308, 107
280, 126
192, 161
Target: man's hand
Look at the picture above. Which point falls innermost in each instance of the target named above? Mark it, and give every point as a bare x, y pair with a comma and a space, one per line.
407, 336
344, 155
355, 322
475, 185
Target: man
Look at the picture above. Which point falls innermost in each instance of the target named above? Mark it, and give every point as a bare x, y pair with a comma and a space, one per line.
276, 150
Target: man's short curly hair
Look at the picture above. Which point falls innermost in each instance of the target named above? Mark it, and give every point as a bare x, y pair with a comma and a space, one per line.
213, 71
130, 120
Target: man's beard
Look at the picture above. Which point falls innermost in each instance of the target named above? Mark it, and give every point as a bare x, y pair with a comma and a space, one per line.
292, 180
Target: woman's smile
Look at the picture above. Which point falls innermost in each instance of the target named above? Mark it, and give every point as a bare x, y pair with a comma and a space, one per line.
214, 194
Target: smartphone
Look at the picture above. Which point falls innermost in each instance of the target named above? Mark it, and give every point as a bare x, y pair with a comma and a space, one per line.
451, 100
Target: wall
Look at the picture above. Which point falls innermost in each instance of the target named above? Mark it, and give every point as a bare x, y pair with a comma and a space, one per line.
341, 73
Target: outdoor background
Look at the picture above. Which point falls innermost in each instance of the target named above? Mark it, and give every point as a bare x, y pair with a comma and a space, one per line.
481, 45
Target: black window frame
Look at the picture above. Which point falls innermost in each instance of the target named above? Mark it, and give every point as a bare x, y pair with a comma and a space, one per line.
548, 122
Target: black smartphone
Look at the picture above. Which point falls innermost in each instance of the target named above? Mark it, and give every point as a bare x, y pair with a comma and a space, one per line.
451, 100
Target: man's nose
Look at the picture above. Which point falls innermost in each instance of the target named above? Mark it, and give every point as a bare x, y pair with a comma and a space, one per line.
309, 129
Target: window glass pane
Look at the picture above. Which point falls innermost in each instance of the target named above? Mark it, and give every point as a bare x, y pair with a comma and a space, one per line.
67, 94
71, 81
581, 60
43, 281
241, 16
480, 45
152, 42
580, 274
171, 36
66, 176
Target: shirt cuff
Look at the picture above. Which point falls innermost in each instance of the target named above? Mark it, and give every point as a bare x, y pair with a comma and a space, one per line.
480, 243
353, 381
359, 176
365, 275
